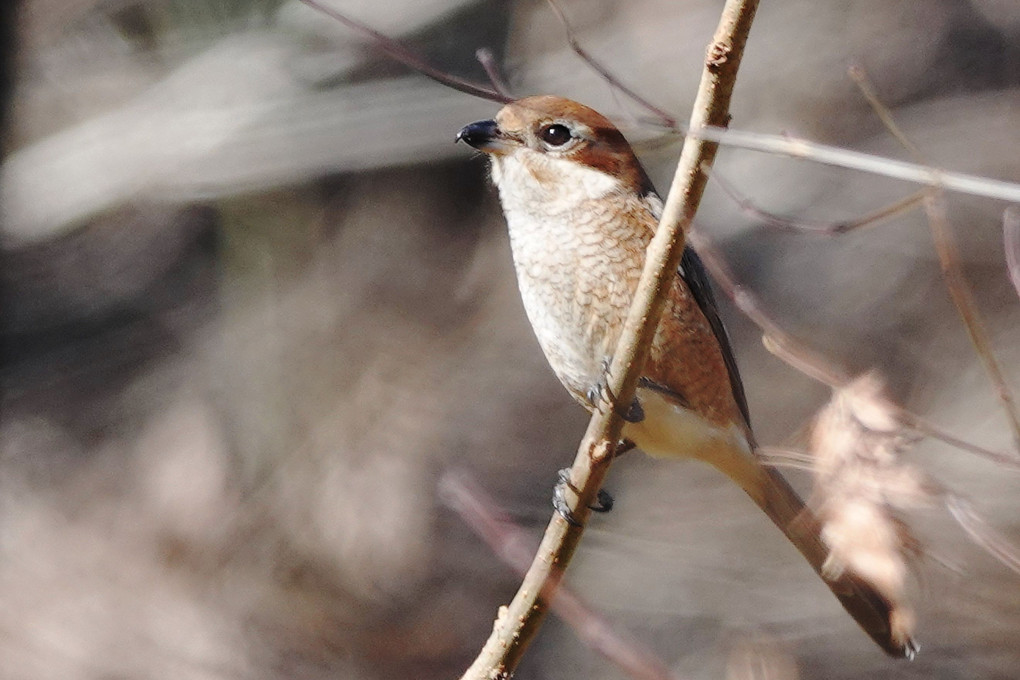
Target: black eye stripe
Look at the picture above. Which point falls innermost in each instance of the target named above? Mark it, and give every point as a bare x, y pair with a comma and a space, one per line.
555, 134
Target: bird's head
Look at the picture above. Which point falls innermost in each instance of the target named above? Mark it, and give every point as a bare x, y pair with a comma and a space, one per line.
550, 148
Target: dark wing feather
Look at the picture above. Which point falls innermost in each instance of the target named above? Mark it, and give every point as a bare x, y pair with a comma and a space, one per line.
693, 273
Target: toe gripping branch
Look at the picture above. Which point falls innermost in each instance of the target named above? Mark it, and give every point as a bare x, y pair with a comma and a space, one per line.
600, 393
603, 501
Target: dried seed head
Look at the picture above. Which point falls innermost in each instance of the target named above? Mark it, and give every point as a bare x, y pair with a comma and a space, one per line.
855, 443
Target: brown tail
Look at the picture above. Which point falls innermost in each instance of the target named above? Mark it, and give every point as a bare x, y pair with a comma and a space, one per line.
872, 611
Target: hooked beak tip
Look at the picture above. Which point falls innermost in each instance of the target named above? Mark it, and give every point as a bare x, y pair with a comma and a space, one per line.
481, 135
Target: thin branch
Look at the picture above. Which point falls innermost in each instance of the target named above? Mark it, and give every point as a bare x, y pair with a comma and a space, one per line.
793, 459
860, 78
516, 627
488, 61
796, 354
1011, 244
983, 535
776, 340
513, 546
921, 426
667, 120
949, 260
855, 160
398, 52
811, 226
945, 246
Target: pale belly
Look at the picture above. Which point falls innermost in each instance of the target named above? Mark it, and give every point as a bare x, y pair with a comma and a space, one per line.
672, 431
571, 338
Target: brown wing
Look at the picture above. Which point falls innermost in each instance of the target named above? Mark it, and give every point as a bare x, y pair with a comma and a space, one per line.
693, 273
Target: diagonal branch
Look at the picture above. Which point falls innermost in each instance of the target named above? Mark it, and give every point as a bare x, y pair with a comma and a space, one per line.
597, 66
519, 622
966, 307
949, 260
769, 219
398, 52
796, 354
479, 511
1011, 244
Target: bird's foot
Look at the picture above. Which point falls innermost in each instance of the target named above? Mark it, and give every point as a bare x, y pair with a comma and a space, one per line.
603, 501
601, 393
623, 447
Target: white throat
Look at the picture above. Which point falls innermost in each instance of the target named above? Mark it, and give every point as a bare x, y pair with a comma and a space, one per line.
532, 182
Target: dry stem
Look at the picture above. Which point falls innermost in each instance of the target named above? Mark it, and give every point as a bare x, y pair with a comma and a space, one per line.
519, 622
510, 543
769, 219
399, 53
949, 259
945, 246
1011, 244
606, 74
796, 354
855, 160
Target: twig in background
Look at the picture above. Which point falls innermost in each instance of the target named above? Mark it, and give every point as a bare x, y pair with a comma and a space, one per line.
1011, 244
982, 534
855, 449
810, 363
781, 457
860, 78
666, 119
921, 426
748, 206
949, 260
398, 52
952, 273
777, 144
793, 147
488, 61
776, 340
877, 474
514, 547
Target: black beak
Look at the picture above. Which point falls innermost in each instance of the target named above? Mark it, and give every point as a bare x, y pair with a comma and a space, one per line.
481, 135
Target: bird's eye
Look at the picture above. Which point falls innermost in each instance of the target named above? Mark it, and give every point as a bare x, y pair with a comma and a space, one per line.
555, 134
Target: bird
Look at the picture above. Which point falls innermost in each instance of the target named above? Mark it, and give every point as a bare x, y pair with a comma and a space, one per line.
581, 211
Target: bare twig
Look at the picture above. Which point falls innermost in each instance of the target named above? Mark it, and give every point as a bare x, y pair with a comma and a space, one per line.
512, 545
810, 363
776, 340
1011, 244
855, 160
949, 260
488, 61
666, 119
811, 226
398, 52
516, 626
780, 457
860, 78
983, 535
945, 245
921, 426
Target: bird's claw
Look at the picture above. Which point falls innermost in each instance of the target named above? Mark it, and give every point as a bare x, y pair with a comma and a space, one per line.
603, 501
559, 499
601, 392
634, 414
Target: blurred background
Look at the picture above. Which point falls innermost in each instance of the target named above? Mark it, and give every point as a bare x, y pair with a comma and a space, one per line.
255, 302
